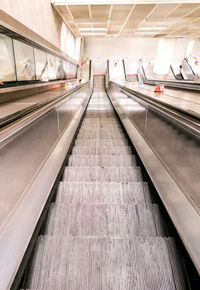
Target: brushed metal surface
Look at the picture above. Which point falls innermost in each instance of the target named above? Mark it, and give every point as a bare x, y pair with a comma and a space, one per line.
165, 154
186, 102
180, 155
96, 235
29, 165
11, 110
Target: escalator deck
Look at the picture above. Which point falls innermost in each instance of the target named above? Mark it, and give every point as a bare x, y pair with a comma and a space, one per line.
103, 231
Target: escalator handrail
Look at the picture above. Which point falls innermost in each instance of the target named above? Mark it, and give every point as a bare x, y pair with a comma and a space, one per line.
108, 69
171, 67
187, 62
124, 67
90, 69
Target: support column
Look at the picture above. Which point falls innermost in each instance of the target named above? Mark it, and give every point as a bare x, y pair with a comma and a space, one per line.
164, 56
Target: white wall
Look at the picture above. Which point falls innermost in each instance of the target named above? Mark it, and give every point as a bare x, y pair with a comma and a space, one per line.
134, 48
180, 49
39, 16
100, 49
196, 48
164, 56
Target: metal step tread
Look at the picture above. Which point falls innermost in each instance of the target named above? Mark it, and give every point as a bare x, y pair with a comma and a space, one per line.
103, 192
101, 142
102, 160
100, 135
103, 231
103, 263
117, 174
101, 150
104, 220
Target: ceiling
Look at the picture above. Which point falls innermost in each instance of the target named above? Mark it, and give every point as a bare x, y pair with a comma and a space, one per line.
130, 20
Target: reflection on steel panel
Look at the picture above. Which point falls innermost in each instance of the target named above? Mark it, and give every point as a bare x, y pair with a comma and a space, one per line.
178, 151
22, 157
171, 155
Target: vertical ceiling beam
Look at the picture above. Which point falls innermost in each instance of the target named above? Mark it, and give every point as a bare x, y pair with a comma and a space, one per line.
64, 20
108, 21
178, 5
126, 20
145, 18
90, 11
189, 22
72, 17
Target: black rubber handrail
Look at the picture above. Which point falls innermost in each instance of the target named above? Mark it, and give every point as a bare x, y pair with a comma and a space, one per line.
185, 59
90, 69
175, 74
124, 67
108, 69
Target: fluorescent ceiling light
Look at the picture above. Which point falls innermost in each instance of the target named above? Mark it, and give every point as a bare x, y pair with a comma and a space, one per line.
152, 28
92, 29
93, 33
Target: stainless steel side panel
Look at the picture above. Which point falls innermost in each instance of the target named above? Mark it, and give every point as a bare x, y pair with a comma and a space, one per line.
177, 199
29, 164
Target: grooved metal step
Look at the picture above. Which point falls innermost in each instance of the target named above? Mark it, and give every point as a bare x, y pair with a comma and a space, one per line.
140, 263
109, 174
101, 142
102, 160
103, 192
103, 231
102, 150
99, 220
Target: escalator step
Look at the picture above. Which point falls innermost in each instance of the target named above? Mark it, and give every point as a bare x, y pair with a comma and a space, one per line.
101, 142
100, 126
102, 160
101, 150
103, 192
91, 174
140, 263
103, 231
101, 135
104, 220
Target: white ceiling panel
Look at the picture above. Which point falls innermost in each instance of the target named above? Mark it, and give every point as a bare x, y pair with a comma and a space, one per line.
129, 19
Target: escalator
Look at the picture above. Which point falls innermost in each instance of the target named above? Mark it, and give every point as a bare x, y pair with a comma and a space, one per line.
132, 78
105, 229
187, 71
186, 79
176, 70
130, 71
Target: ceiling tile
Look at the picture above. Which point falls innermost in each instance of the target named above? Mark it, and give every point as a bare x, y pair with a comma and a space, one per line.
79, 11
